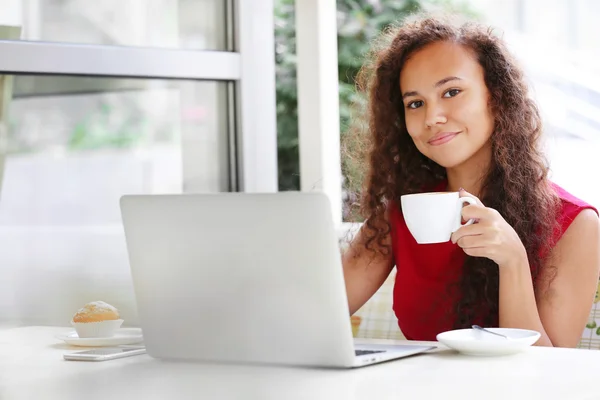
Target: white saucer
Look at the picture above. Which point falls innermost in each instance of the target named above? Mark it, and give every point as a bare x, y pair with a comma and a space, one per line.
477, 343
122, 336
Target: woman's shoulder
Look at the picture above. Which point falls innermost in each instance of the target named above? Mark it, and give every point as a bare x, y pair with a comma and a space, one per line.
570, 206
569, 202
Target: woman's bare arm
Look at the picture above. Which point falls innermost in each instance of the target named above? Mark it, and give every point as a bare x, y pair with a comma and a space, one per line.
560, 305
365, 270
564, 303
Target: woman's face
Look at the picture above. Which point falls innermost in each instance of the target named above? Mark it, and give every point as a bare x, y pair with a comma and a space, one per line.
446, 105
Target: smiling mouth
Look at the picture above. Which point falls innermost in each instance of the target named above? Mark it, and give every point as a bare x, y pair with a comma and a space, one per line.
442, 138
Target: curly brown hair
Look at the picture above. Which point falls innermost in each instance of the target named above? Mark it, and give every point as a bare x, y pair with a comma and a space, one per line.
516, 184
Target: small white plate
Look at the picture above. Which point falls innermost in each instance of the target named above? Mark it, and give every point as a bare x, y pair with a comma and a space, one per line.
477, 343
122, 336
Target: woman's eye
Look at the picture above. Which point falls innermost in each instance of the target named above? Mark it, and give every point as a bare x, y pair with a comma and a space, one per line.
451, 93
415, 104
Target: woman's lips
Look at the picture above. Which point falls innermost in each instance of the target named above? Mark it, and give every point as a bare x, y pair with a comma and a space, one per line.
441, 138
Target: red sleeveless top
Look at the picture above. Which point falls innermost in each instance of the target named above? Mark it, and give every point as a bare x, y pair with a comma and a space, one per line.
424, 271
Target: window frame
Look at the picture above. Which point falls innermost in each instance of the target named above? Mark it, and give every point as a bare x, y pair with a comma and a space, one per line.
247, 66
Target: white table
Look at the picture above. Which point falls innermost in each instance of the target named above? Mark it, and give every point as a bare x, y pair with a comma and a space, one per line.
31, 367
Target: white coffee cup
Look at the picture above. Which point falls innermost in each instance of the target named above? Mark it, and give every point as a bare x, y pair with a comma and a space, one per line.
433, 217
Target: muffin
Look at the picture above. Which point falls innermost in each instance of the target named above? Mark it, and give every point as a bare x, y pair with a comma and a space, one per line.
96, 320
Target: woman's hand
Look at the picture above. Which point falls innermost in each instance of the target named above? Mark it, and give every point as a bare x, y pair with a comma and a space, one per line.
491, 236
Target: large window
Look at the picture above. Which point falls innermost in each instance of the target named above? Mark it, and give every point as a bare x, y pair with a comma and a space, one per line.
102, 99
76, 144
557, 42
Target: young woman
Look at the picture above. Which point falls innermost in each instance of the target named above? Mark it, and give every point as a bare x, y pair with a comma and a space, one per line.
449, 110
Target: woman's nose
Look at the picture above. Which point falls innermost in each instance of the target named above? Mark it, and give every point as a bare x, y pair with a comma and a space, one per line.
435, 115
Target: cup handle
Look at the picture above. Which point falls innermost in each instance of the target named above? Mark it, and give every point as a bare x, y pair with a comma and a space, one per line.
461, 203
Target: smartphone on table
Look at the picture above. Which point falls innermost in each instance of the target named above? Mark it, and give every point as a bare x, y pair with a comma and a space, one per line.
105, 353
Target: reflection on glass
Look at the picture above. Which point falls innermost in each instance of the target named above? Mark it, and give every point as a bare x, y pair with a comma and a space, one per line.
76, 144
189, 24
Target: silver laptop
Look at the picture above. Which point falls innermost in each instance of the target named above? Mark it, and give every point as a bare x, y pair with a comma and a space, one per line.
243, 278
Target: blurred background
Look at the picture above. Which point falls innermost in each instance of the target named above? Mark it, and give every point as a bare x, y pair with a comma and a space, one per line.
101, 99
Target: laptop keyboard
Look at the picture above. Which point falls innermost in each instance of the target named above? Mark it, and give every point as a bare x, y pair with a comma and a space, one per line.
364, 352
